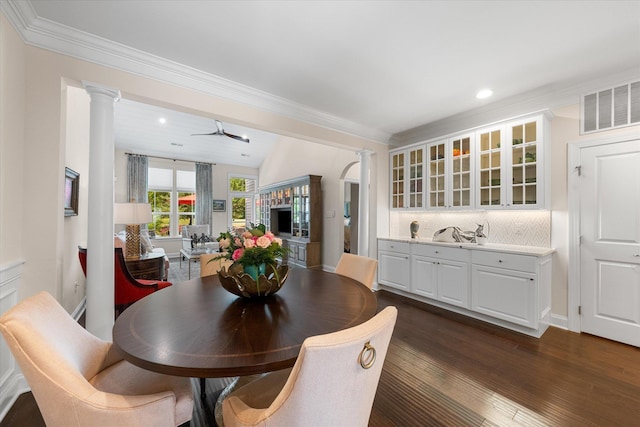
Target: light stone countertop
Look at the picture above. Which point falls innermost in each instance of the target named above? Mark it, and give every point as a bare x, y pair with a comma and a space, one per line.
493, 247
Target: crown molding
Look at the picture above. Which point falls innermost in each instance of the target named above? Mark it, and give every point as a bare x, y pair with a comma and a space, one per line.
49, 35
550, 96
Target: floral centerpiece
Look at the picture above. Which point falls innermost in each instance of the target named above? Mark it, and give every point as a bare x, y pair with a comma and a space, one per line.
255, 270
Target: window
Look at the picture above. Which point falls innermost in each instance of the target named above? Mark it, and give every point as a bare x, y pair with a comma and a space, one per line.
172, 195
242, 192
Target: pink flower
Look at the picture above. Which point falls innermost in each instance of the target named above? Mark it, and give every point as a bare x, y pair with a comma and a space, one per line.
237, 254
224, 243
237, 242
269, 235
249, 243
247, 235
263, 242
278, 240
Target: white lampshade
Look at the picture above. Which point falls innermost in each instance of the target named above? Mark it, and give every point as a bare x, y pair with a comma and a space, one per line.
132, 213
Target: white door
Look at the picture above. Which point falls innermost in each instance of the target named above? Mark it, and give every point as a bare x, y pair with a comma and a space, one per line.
610, 248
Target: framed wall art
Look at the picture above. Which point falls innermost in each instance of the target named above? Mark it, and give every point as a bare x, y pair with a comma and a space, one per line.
219, 205
71, 188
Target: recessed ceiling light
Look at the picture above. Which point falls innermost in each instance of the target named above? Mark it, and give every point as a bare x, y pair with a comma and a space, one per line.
162, 120
176, 144
244, 155
484, 93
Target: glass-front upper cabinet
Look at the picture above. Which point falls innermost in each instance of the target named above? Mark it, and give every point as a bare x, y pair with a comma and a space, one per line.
525, 155
407, 178
511, 166
490, 167
449, 173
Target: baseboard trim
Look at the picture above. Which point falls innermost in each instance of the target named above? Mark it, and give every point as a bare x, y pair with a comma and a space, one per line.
17, 386
558, 321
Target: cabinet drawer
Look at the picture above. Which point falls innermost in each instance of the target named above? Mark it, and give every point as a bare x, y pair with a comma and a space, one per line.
505, 260
391, 246
442, 252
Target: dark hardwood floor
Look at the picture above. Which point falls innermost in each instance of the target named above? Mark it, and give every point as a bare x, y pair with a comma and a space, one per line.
443, 369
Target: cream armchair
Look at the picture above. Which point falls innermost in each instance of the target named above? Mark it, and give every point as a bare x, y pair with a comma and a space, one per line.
79, 380
333, 382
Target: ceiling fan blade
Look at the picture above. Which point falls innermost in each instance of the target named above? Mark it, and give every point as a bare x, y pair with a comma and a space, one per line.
239, 138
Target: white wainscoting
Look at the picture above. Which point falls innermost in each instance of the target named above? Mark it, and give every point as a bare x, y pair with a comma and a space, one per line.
12, 382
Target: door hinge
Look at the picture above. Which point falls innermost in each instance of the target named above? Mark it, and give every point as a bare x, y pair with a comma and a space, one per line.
579, 309
579, 169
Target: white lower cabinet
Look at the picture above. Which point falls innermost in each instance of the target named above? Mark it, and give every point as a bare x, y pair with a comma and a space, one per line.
441, 273
394, 268
511, 287
512, 290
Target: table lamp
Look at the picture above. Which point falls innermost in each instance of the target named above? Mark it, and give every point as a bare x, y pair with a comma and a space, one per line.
132, 215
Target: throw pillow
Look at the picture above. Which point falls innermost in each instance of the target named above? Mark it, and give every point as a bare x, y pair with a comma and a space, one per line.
145, 241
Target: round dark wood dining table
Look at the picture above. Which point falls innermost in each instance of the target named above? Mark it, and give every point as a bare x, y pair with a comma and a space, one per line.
198, 329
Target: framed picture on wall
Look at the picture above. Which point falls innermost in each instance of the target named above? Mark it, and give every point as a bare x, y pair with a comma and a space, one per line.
219, 205
71, 187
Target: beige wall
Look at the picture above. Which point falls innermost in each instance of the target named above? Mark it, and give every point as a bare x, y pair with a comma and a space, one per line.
12, 99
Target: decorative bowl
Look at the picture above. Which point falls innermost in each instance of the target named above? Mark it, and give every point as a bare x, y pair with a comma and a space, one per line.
238, 282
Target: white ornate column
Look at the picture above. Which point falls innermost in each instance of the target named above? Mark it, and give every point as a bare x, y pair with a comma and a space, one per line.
363, 204
100, 262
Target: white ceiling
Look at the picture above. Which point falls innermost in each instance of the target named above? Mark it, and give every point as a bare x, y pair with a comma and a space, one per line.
383, 66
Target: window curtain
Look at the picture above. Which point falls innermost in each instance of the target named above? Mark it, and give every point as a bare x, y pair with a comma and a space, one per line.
204, 197
137, 171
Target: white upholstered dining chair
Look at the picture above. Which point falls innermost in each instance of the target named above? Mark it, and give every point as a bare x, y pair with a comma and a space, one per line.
333, 382
79, 380
358, 267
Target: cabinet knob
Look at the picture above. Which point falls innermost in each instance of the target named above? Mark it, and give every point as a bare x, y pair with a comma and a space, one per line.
499, 260
531, 279
636, 255
437, 252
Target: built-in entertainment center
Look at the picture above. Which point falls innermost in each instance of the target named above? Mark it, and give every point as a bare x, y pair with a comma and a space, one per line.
292, 210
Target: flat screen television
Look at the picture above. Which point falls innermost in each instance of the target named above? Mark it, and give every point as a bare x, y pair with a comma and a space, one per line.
281, 221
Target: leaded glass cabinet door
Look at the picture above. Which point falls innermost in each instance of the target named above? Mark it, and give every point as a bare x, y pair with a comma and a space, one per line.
526, 157
416, 178
490, 180
296, 211
397, 180
304, 211
437, 174
461, 180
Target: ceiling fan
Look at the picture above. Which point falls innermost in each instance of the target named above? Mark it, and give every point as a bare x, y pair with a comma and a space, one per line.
220, 131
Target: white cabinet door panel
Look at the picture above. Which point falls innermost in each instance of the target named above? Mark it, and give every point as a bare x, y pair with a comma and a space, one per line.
394, 270
506, 294
453, 282
424, 276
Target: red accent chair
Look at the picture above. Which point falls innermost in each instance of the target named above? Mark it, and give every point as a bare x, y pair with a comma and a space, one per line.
129, 289
82, 255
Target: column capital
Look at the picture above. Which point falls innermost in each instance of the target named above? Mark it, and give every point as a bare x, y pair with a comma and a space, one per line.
365, 152
95, 88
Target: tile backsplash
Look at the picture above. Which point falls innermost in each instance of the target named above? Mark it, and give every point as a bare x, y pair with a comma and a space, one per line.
526, 228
